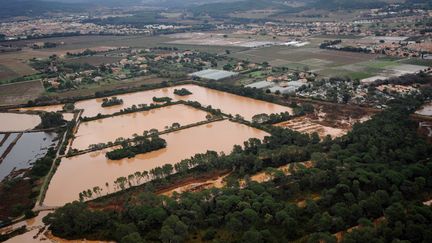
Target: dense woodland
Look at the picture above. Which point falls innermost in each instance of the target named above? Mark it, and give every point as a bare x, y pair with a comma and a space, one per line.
376, 177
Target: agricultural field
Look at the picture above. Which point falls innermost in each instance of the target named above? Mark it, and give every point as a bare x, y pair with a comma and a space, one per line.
330, 63
19, 93
13, 67
95, 60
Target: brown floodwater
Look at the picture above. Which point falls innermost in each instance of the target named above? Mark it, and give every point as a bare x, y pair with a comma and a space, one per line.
33, 226
36, 233
109, 129
12, 122
228, 103
83, 172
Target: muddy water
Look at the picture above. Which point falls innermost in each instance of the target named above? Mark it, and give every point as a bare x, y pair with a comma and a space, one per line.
12, 122
109, 129
228, 103
68, 116
36, 233
82, 172
33, 226
28, 148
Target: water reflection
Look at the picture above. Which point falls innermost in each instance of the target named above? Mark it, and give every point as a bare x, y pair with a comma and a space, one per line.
12, 122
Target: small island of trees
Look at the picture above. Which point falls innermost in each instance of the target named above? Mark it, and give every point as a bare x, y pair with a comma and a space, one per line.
51, 119
111, 102
139, 145
162, 99
182, 92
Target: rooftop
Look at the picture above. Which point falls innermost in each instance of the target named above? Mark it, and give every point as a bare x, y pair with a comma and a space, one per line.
213, 74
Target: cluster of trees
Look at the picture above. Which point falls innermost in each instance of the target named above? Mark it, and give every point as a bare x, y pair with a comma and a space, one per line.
139, 145
182, 92
51, 119
86, 52
106, 102
379, 170
272, 118
69, 107
42, 166
45, 45
302, 109
162, 99
333, 45
327, 44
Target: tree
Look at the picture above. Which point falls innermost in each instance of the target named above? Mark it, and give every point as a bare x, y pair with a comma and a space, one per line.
167, 169
173, 230
51, 119
132, 238
69, 107
175, 125
252, 236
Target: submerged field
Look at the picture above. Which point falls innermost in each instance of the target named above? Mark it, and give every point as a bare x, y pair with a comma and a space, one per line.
228, 103
12, 122
109, 129
96, 170
20, 151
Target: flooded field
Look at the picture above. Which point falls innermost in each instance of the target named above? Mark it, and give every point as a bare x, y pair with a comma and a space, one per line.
109, 129
6, 141
33, 226
12, 122
94, 169
28, 148
426, 110
228, 103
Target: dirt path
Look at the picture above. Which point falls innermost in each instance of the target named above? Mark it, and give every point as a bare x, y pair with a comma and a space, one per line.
39, 202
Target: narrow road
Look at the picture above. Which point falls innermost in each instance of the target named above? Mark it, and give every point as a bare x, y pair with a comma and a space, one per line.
39, 202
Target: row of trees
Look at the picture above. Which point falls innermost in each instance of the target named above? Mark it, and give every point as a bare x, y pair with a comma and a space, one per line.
162, 99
